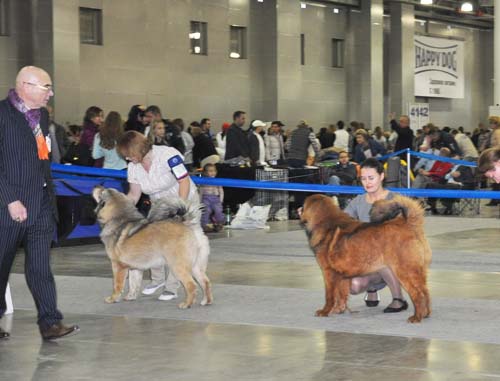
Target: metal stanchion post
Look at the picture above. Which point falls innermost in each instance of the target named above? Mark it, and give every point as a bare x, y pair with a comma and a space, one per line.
408, 168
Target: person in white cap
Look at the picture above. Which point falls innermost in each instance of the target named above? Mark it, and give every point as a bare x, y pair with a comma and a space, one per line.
256, 142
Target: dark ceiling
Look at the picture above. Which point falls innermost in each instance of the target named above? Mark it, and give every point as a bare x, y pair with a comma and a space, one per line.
446, 11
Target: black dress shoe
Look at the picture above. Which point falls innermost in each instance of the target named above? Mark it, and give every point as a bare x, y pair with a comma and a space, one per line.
3, 334
404, 306
58, 330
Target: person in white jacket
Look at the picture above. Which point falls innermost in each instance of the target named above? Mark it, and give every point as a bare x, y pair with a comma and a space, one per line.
275, 147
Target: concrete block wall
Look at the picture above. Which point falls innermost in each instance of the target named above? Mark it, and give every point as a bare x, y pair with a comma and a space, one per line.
315, 91
145, 59
16, 49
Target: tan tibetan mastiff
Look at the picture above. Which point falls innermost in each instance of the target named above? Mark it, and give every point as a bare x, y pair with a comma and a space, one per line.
345, 248
170, 235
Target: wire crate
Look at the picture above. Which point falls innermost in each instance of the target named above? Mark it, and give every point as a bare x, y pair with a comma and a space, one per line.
276, 198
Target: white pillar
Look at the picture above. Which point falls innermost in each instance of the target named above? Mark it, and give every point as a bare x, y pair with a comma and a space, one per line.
496, 49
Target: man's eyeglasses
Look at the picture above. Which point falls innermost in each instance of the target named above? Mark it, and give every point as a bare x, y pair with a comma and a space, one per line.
41, 87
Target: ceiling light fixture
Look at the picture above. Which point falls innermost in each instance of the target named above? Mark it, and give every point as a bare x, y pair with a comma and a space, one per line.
303, 5
467, 7
336, 10
426, 2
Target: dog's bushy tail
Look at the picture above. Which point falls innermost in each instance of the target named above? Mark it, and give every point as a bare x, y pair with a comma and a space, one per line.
408, 208
411, 211
414, 212
175, 209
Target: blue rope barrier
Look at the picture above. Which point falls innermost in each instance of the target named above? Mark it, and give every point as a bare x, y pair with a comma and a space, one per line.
389, 155
89, 171
72, 180
444, 159
428, 156
313, 188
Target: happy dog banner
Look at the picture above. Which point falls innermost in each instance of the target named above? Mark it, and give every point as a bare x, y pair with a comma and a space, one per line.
439, 67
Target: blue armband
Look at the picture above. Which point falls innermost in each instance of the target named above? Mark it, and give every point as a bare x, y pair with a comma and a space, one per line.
177, 167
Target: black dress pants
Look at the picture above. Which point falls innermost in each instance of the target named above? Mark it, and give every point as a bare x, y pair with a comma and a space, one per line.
36, 240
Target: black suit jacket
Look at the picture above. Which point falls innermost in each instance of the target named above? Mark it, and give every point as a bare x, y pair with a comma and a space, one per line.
236, 143
22, 174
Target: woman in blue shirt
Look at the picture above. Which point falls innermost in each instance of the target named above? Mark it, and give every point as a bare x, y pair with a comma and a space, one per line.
105, 142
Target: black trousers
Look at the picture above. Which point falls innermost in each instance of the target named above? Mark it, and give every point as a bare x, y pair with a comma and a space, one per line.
36, 240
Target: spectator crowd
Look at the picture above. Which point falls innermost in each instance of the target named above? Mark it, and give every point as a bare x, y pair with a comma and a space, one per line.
256, 143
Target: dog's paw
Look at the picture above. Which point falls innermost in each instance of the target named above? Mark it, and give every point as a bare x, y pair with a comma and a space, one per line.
111, 299
322, 313
184, 305
414, 319
338, 309
206, 302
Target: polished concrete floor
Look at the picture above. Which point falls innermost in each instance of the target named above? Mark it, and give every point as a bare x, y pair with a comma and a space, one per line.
261, 326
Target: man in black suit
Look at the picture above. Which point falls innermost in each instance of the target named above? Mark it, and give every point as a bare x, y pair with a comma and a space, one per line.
27, 201
236, 138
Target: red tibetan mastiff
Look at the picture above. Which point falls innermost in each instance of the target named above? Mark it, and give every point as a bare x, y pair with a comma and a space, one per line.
345, 248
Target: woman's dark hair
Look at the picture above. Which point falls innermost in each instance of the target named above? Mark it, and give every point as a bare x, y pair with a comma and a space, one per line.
340, 124
111, 130
373, 163
134, 121
91, 113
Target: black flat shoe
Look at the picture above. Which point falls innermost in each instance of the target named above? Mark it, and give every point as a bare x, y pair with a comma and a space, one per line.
371, 303
404, 306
